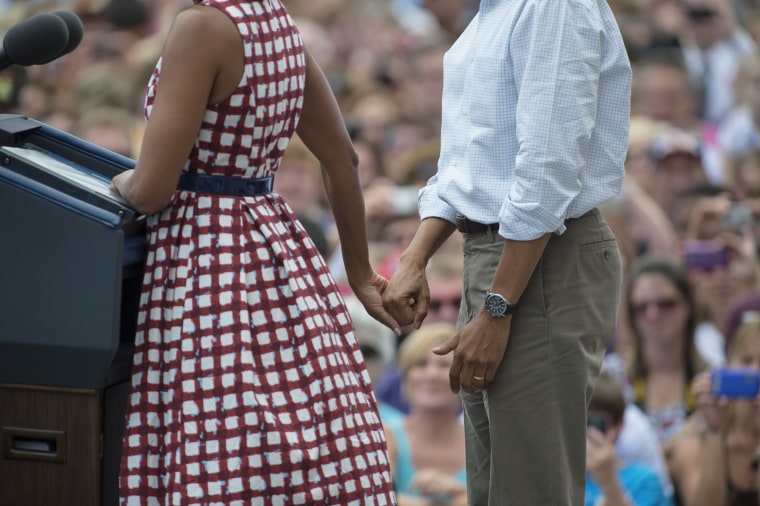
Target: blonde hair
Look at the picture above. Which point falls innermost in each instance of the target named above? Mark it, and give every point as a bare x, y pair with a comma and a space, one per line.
419, 343
748, 331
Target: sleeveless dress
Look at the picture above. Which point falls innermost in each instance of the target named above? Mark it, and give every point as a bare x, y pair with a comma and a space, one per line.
248, 384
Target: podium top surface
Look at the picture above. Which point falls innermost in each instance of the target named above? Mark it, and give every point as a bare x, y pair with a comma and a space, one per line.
62, 166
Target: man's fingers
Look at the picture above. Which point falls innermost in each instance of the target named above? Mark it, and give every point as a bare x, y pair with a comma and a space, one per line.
420, 311
400, 312
447, 347
454, 373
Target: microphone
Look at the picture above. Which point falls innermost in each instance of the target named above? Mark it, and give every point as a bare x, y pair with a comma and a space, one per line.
76, 32
37, 40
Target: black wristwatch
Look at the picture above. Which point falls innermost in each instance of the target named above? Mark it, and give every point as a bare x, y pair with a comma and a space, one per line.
498, 306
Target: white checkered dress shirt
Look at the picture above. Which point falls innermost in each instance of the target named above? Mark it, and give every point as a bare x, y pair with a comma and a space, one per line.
536, 107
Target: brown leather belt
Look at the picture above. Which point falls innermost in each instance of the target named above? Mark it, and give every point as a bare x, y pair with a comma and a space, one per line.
467, 226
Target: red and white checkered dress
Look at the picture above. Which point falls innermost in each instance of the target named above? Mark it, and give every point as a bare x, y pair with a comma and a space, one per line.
248, 386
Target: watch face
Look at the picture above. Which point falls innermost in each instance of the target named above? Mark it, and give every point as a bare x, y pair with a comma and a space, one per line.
496, 304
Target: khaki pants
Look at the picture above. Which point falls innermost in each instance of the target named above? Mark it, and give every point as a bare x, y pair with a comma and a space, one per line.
526, 433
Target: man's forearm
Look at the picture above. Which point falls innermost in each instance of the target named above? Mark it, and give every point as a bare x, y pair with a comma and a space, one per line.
430, 235
516, 265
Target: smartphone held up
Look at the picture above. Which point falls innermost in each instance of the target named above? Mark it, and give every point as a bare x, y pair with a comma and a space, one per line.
705, 255
735, 383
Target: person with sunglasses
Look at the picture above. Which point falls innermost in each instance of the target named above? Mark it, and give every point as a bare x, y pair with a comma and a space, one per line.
662, 315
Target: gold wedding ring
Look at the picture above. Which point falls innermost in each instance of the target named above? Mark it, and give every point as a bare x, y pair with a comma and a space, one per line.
478, 378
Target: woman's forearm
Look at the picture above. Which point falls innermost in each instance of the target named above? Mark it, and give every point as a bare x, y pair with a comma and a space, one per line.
347, 203
323, 130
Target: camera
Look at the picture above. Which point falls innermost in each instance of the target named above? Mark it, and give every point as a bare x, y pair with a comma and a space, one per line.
735, 383
737, 217
704, 255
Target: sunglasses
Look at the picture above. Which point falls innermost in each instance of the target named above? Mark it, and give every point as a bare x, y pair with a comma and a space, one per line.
437, 304
662, 305
697, 13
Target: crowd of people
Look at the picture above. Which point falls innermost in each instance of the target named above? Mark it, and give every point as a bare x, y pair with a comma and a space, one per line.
687, 221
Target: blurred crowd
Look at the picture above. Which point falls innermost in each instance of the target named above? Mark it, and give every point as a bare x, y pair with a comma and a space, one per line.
687, 221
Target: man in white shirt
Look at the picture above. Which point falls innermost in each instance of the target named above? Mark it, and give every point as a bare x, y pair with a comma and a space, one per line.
536, 104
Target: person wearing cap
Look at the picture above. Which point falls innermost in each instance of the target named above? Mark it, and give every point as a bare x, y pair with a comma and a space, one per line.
536, 105
675, 154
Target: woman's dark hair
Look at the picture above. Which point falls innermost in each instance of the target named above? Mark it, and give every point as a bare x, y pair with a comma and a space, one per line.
676, 274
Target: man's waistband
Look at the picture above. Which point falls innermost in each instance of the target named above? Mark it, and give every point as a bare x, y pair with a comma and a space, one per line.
467, 226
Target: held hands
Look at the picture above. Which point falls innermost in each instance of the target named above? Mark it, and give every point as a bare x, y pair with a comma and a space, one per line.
407, 295
370, 293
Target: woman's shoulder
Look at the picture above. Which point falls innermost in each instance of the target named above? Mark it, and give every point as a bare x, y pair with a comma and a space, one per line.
204, 28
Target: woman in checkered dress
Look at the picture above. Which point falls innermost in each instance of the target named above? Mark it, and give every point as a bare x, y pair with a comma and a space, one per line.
248, 386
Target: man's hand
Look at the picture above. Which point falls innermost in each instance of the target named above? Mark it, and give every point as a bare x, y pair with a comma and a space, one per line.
480, 347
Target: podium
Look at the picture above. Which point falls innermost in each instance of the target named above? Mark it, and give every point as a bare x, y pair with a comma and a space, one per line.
71, 262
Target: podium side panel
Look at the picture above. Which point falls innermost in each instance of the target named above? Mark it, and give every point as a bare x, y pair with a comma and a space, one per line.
61, 275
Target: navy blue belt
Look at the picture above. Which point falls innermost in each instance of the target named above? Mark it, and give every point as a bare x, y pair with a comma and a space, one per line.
225, 185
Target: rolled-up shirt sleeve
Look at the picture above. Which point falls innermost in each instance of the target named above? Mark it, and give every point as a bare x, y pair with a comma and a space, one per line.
430, 204
556, 60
